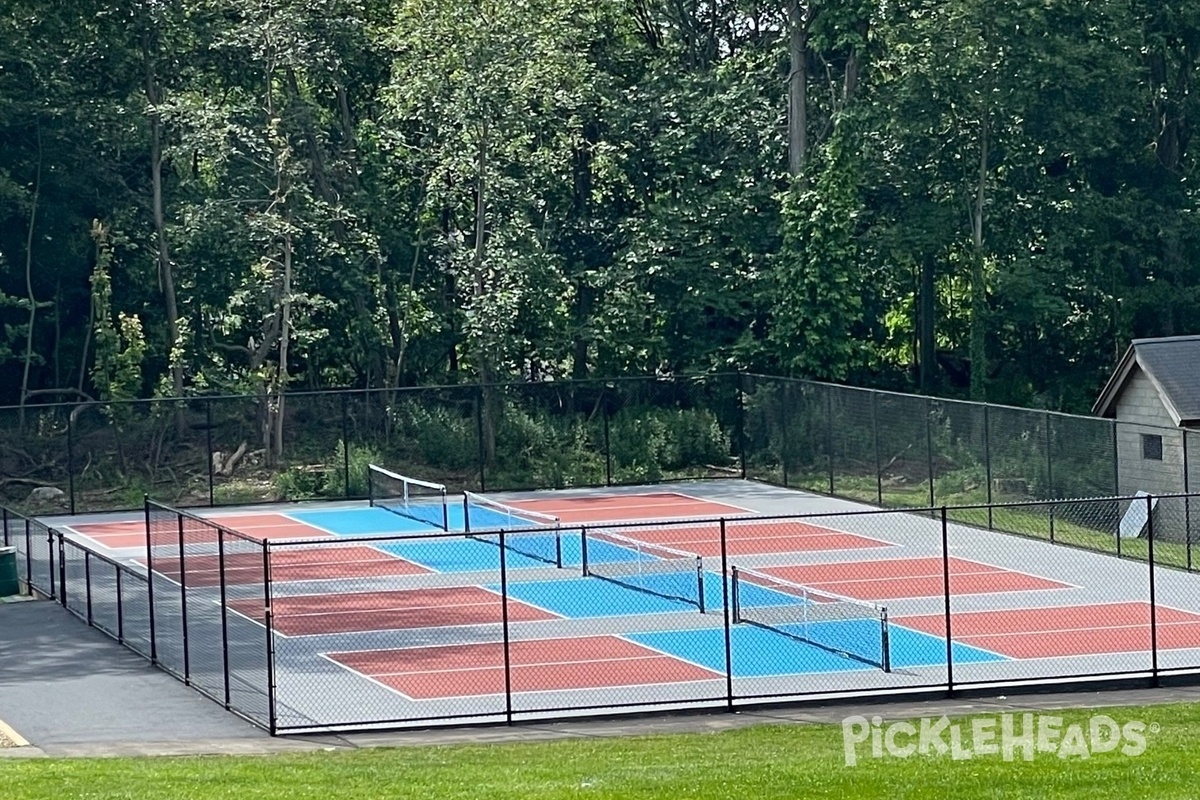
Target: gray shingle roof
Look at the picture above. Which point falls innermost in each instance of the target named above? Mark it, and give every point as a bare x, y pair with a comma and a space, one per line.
1172, 364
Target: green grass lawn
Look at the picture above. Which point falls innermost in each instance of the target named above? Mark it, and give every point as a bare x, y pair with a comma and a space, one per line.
795, 761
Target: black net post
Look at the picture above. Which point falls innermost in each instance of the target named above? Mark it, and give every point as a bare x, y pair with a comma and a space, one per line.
1153, 605
150, 580
886, 642
507, 640
725, 600
946, 593
583, 550
224, 615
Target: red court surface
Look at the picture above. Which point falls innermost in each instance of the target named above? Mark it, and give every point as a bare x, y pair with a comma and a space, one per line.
749, 538
543, 665
622, 507
1066, 630
898, 578
314, 614
291, 564
132, 533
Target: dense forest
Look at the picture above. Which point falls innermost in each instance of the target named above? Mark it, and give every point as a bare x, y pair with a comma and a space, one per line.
976, 198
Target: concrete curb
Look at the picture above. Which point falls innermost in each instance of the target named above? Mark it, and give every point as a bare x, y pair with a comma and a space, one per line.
8, 732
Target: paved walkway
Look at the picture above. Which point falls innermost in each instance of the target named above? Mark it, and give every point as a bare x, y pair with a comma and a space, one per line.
71, 691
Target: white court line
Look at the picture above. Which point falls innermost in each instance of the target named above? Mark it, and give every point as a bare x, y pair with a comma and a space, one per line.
519, 665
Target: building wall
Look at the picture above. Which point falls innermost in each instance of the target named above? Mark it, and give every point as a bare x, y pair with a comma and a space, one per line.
1140, 411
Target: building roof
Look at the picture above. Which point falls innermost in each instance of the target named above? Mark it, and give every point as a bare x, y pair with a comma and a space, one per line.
1172, 364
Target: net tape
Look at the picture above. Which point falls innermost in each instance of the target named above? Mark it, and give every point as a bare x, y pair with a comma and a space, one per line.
424, 501
483, 513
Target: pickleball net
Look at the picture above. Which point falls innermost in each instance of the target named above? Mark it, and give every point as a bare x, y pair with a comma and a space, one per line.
850, 628
412, 498
529, 533
651, 568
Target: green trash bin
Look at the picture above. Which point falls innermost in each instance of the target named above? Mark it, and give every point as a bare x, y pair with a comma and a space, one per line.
8, 572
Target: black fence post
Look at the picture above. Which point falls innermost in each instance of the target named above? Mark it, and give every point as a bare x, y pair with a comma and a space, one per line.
224, 614
150, 582
268, 619
728, 630
71, 461
607, 449
875, 437
929, 446
58, 543
183, 603
1116, 464
987, 461
56, 576
208, 428
784, 450
4, 523
1153, 607
508, 698
479, 400
829, 433
1050, 493
120, 609
741, 425
346, 445
1187, 505
946, 591
87, 583
28, 556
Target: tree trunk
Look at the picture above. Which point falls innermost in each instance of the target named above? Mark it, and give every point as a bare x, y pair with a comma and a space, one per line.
33, 208
478, 289
798, 22
166, 273
978, 347
284, 338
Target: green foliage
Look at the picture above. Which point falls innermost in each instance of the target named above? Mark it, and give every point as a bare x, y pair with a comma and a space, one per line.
355, 482
436, 436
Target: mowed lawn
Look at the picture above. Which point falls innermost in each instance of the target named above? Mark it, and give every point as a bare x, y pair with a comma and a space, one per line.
767, 761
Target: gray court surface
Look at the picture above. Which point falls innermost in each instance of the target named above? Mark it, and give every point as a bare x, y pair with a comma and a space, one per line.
85, 663
64, 686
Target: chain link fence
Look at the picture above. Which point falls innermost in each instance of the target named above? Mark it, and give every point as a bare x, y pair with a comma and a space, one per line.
379, 631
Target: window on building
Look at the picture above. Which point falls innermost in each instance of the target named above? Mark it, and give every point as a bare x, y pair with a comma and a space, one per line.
1151, 447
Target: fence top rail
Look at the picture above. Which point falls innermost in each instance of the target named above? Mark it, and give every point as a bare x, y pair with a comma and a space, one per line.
153, 504
601, 383
954, 400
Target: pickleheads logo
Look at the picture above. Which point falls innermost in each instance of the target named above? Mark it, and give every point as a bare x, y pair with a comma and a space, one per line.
1007, 736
